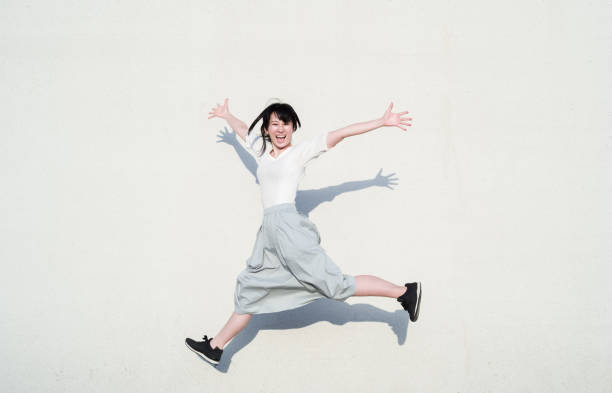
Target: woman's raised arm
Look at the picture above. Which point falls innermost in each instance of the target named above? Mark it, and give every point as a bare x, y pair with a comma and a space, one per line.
236, 124
388, 119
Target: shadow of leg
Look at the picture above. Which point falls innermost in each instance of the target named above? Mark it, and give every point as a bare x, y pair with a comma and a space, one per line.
333, 311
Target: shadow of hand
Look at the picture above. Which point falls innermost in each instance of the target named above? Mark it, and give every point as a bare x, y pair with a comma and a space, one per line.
385, 180
227, 137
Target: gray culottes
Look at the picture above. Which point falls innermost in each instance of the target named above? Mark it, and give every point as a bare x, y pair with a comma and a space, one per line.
288, 268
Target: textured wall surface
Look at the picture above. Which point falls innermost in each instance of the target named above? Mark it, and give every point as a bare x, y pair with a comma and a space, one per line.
125, 214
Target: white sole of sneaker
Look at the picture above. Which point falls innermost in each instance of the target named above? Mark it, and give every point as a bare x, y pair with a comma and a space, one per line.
201, 355
418, 307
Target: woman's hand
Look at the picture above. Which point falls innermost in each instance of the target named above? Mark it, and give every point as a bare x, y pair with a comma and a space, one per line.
220, 111
395, 119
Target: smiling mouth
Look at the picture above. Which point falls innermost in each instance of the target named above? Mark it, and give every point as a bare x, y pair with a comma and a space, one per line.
278, 138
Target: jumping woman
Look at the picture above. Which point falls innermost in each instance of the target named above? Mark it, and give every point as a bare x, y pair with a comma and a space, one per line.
288, 268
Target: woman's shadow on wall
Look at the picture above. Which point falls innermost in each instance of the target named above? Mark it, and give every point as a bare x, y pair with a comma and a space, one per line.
333, 311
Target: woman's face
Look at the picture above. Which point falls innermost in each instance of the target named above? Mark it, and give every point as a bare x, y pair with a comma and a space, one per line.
280, 132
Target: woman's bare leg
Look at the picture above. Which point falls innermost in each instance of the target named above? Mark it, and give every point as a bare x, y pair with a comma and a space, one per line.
368, 285
233, 326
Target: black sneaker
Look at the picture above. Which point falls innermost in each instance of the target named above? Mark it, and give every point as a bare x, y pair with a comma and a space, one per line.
411, 300
204, 349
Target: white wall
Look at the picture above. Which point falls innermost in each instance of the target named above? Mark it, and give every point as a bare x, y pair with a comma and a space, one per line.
125, 218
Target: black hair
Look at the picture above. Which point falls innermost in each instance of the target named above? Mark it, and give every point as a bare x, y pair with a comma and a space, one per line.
283, 111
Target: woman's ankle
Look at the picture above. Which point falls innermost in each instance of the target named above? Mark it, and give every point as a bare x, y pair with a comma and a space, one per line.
213, 343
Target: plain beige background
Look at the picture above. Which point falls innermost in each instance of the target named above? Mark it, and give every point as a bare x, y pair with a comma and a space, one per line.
126, 214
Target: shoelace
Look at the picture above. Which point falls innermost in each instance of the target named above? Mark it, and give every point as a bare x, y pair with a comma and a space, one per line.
207, 341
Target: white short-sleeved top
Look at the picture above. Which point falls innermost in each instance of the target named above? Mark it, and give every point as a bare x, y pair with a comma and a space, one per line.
279, 177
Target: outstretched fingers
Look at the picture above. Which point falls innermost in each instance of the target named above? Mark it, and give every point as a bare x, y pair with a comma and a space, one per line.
219, 109
388, 111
